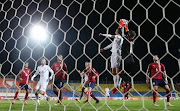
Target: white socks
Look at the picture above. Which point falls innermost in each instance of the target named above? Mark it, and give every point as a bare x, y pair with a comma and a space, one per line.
117, 80
120, 79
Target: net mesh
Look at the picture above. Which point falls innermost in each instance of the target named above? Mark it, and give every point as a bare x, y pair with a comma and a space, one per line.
72, 28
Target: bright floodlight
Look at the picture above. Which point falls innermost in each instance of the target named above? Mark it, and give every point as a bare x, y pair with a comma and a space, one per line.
39, 33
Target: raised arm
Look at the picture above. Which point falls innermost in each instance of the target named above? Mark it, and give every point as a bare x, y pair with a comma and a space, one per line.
110, 36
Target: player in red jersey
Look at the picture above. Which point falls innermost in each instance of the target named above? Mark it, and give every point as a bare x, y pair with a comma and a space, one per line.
92, 74
60, 69
124, 88
156, 70
23, 76
85, 83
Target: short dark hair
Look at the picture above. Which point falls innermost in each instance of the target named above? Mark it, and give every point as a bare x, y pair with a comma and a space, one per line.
132, 33
119, 31
26, 62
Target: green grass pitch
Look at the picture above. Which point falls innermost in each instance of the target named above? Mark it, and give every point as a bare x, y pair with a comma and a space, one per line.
132, 105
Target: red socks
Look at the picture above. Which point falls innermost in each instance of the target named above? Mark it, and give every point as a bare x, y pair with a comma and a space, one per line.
60, 96
16, 94
168, 95
56, 92
154, 96
26, 96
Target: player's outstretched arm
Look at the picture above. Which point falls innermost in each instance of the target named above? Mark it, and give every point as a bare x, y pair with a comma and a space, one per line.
101, 50
110, 36
81, 72
106, 35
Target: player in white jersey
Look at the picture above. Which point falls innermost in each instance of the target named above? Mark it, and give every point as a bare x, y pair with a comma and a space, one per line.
43, 70
84, 80
116, 54
107, 92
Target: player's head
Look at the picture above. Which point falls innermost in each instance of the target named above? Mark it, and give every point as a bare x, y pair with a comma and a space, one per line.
26, 64
155, 58
43, 61
118, 31
131, 34
59, 58
86, 64
89, 64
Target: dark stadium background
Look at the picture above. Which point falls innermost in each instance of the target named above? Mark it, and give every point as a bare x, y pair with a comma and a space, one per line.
21, 24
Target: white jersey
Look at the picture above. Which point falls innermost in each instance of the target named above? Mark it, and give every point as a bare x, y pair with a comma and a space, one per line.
106, 90
43, 71
85, 76
116, 44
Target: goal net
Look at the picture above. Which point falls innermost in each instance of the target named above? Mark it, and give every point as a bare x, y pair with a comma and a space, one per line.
35, 29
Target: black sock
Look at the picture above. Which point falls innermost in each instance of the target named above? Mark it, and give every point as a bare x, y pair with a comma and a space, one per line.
82, 92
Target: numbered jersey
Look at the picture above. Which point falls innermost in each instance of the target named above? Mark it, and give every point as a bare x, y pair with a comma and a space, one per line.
23, 74
156, 69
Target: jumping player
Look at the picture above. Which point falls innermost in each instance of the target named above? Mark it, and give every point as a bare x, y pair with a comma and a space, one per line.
127, 49
115, 46
60, 69
23, 76
157, 69
43, 70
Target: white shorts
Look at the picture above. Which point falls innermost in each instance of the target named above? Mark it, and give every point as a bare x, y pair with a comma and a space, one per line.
107, 94
85, 84
41, 86
115, 60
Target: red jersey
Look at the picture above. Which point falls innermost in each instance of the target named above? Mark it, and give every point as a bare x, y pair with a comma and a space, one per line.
23, 74
124, 86
154, 70
59, 68
91, 72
